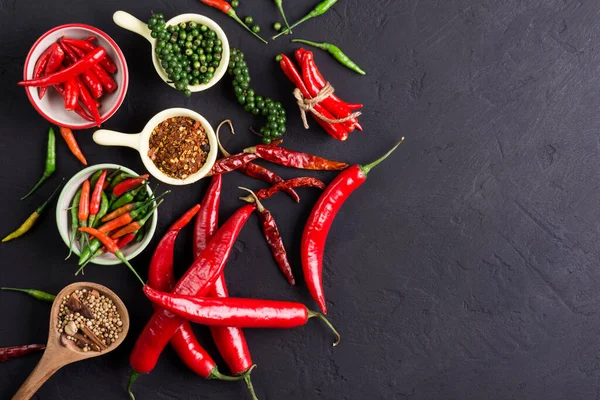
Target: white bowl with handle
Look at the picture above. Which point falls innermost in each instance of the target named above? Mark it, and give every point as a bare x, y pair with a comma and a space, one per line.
141, 143
131, 23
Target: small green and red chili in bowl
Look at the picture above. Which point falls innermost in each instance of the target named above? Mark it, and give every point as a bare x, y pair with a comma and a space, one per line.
123, 194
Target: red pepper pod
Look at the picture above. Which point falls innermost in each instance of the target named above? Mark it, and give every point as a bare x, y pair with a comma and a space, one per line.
42, 60
84, 202
107, 82
336, 131
306, 181
88, 102
54, 63
97, 194
129, 184
89, 78
294, 159
196, 282
207, 220
107, 63
78, 109
9, 353
319, 222
71, 94
73, 70
231, 163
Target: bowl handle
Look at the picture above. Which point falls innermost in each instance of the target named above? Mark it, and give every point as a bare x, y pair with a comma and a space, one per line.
131, 23
105, 137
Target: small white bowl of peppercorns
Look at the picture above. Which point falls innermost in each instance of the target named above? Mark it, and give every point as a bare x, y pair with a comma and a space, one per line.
177, 146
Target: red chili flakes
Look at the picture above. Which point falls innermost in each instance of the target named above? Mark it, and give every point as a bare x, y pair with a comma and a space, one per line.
179, 147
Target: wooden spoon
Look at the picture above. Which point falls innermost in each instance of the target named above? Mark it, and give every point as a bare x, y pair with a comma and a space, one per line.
62, 352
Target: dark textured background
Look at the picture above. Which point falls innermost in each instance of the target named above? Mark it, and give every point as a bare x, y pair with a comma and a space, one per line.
466, 267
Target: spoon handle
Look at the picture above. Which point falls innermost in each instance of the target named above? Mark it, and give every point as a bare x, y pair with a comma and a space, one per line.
106, 137
131, 23
47, 366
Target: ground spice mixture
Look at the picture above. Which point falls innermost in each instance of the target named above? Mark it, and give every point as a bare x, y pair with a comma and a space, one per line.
179, 147
89, 319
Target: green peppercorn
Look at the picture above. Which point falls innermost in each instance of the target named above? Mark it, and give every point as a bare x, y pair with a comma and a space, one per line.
235, 3
277, 26
256, 29
248, 20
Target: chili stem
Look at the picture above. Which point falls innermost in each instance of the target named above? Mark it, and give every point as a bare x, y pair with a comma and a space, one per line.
248, 383
279, 4
289, 30
314, 314
233, 15
132, 378
366, 168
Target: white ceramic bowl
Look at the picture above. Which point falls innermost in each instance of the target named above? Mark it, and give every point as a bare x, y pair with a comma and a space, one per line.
140, 142
52, 106
131, 23
64, 224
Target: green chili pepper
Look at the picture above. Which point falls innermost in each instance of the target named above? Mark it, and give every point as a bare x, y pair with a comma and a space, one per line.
89, 251
320, 9
50, 162
98, 253
38, 294
336, 52
126, 198
139, 236
74, 221
31, 220
103, 210
279, 4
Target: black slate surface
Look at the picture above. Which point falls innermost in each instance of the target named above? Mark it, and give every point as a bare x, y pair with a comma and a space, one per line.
466, 267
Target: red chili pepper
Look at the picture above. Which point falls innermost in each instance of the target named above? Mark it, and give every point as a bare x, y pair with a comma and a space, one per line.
225, 8
274, 240
84, 203
54, 64
107, 82
291, 183
125, 240
322, 82
160, 277
75, 69
230, 341
88, 102
336, 131
196, 282
96, 197
320, 220
69, 137
112, 247
129, 184
294, 159
107, 63
42, 60
338, 109
243, 313
256, 171
9, 353
124, 219
71, 94
89, 77
78, 109
231, 163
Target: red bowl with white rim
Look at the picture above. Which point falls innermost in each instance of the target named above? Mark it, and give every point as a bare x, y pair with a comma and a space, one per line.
51, 106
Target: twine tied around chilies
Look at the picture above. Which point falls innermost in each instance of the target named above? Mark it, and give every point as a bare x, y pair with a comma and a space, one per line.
308, 105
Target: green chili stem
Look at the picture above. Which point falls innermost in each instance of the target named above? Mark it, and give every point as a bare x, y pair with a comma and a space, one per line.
215, 374
41, 208
132, 378
121, 257
250, 387
314, 314
289, 30
366, 168
279, 4
322, 46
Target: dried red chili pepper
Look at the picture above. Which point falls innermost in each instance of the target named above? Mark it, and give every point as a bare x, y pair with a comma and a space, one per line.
73, 70
306, 181
107, 63
230, 341
294, 159
128, 184
256, 171
320, 220
9, 353
273, 237
243, 313
321, 82
337, 131
231, 163
196, 282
